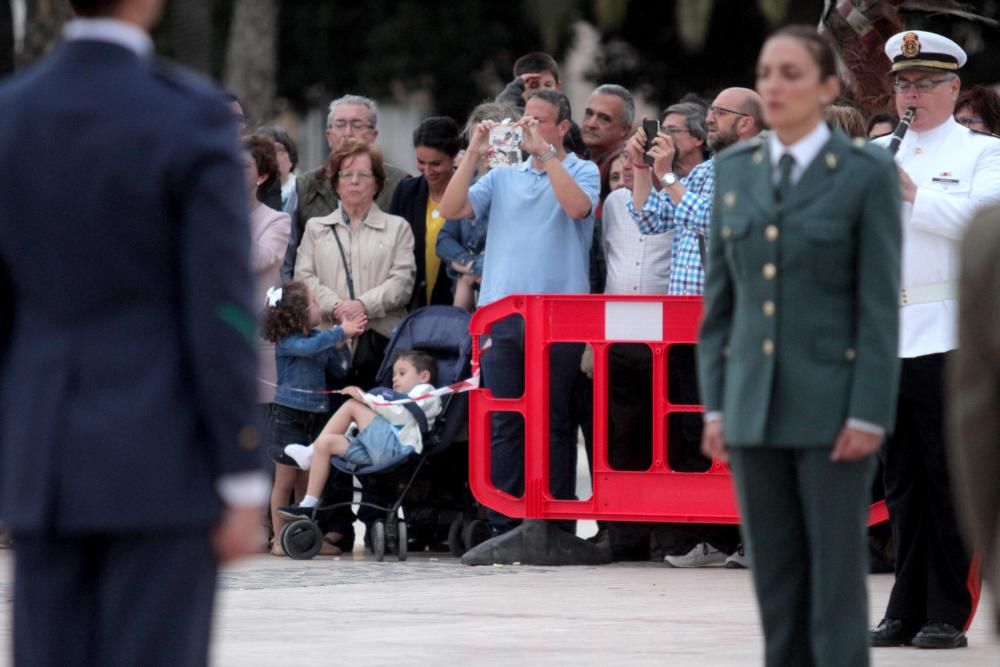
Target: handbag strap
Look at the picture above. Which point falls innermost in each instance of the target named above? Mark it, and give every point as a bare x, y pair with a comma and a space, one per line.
343, 257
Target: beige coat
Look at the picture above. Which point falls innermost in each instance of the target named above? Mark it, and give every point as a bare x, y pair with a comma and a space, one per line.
974, 445
380, 254
269, 237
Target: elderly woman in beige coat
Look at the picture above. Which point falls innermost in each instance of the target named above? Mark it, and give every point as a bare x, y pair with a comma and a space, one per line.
359, 258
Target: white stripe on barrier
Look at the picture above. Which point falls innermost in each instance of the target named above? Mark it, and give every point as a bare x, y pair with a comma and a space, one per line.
633, 320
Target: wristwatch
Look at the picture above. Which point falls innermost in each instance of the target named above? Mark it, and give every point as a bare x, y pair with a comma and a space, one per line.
668, 178
548, 154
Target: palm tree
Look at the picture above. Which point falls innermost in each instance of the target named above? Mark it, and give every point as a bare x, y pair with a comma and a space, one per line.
251, 59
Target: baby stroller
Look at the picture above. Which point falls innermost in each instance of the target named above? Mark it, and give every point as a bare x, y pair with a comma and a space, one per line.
443, 332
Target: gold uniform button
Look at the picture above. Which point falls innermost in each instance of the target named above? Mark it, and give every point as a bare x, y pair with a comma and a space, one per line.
850, 354
769, 271
725, 351
771, 232
727, 231
768, 346
768, 308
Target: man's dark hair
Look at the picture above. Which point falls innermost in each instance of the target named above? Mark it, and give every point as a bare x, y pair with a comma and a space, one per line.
882, 117
556, 99
93, 7
536, 63
439, 132
422, 361
279, 135
984, 102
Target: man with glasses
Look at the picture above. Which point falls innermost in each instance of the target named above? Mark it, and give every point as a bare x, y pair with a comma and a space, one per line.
683, 207
946, 172
350, 116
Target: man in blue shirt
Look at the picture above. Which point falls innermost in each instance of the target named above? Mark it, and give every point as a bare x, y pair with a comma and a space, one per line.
541, 227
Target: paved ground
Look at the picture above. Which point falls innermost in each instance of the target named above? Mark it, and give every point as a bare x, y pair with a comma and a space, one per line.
353, 610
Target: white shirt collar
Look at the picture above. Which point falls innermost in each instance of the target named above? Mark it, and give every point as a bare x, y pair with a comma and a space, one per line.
804, 150
940, 130
117, 32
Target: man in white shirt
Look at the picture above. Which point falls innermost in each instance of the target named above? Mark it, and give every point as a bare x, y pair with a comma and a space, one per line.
946, 172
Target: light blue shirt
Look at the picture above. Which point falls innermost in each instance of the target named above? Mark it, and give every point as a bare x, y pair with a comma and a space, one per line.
533, 246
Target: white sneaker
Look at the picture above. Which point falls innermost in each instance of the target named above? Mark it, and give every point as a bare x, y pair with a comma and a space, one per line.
701, 555
738, 560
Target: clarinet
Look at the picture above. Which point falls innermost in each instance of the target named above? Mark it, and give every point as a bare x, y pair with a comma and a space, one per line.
900, 131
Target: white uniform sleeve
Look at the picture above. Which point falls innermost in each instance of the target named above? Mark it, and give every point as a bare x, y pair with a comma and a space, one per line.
945, 214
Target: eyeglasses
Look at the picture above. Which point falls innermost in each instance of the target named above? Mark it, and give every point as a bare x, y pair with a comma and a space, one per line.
722, 111
355, 125
921, 85
969, 121
351, 175
674, 131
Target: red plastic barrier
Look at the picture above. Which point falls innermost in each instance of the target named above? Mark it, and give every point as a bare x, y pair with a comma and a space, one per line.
656, 494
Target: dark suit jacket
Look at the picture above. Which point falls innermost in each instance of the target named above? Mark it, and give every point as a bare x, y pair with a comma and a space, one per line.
128, 380
974, 446
410, 202
801, 300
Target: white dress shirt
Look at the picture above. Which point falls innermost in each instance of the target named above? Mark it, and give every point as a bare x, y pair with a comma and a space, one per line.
804, 151
637, 264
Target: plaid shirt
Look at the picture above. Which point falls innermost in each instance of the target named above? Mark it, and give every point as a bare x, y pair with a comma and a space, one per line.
688, 220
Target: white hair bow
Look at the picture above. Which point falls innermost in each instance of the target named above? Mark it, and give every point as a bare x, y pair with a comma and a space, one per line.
273, 296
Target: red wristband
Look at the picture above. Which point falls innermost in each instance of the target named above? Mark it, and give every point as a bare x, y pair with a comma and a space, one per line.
639, 165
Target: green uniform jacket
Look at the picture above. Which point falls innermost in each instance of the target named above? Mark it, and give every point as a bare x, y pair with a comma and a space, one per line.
802, 299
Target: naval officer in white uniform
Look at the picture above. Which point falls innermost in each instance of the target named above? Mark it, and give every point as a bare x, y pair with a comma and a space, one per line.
946, 172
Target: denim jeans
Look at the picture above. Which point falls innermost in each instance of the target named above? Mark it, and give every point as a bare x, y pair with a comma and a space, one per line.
503, 374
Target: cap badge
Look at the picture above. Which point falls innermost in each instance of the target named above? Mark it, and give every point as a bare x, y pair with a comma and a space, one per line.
911, 45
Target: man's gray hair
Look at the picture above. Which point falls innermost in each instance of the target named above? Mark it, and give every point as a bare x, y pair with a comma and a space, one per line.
358, 100
694, 115
626, 98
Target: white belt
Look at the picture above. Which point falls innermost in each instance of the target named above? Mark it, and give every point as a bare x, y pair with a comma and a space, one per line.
929, 293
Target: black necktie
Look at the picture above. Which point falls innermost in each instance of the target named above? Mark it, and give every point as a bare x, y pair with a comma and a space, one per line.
785, 165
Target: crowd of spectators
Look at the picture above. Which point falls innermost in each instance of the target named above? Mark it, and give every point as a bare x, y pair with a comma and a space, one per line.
585, 212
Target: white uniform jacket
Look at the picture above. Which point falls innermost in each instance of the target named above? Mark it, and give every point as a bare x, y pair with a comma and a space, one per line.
956, 171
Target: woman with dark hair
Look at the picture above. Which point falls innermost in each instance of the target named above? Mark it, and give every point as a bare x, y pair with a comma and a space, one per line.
269, 231
978, 108
881, 124
797, 355
288, 158
437, 141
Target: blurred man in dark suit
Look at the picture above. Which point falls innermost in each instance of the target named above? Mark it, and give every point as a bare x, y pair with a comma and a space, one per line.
128, 461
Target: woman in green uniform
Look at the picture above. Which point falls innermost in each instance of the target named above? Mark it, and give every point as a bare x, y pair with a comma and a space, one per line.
797, 356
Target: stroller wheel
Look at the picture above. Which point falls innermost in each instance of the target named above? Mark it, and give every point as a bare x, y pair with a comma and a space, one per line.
378, 540
401, 530
476, 532
302, 539
455, 542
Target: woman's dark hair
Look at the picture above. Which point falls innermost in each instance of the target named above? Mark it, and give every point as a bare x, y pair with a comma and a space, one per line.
288, 316
439, 132
818, 46
262, 150
422, 361
606, 173
882, 117
984, 102
279, 135
352, 147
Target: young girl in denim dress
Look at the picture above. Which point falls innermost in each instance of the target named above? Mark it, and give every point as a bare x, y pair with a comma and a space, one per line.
303, 355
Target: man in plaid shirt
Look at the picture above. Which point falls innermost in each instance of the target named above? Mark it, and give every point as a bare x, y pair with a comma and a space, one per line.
684, 206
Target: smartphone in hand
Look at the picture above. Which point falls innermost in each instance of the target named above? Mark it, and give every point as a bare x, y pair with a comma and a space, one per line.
651, 128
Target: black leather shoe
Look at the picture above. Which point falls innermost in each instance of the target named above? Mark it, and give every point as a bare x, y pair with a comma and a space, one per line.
940, 635
891, 632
